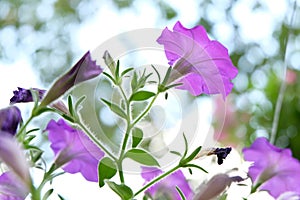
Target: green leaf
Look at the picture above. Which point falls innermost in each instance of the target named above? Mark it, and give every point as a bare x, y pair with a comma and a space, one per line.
141, 156
137, 136
176, 153
157, 73
70, 106
141, 96
134, 82
122, 190
126, 71
180, 193
115, 108
106, 170
109, 76
195, 166
191, 156
185, 146
47, 194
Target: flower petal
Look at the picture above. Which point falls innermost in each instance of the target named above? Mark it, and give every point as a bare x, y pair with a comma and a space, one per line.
10, 118
167, 186
201, 65
74, 151
11, 188
275, 168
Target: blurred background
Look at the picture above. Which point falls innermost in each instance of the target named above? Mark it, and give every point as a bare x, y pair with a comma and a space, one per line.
39, 40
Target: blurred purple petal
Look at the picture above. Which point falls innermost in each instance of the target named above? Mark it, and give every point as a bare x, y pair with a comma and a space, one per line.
74, 151
12, 155
24, 95
10, 118
166, 188
83, 70
11, 188
201, 64
275, 168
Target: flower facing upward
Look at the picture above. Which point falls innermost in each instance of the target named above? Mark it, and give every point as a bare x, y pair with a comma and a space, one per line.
273, 169
10, 118
166, 188
200, 64
74, 151
83, 70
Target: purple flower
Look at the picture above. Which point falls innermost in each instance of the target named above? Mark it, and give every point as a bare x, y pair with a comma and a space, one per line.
200, 64
166, 188
24, 95
10, 119
83, 70
74, 151
273, 169
11, 188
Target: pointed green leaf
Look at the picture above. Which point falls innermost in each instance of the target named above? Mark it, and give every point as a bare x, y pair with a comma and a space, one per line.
109, 76
126, 71
141, 96
134, 81
70, 106
137, 136
195, 166
106, 170
191, 156
180, 193
176, 153
141, 156
122, 190
115, 108
47, 194
158, 75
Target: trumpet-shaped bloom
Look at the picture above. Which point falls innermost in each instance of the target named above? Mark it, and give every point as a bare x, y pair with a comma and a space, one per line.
74, 151
83, 70
200, 64
274, 168
10, 119
166, 188
11, 188
24, 95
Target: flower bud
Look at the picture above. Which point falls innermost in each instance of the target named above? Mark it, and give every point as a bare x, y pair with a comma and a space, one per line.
10, 118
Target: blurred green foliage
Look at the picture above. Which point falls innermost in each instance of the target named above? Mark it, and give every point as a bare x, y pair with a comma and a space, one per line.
42, 30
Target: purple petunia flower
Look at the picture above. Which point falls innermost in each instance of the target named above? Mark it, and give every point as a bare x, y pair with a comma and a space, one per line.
11, 188
83, 70
74, 151
24, 95
10, 118
166, 188
200, 64
274, 168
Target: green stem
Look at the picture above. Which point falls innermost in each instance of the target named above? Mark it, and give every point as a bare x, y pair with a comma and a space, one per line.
95, 140
145, 111
283, 84
157, 179
22, 129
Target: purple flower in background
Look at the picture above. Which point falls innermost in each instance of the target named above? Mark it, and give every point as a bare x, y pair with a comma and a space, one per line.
273, 169
200, 64
10, 119
12, 155
166, 188
74, 151
11, 188
24, 95
83, 70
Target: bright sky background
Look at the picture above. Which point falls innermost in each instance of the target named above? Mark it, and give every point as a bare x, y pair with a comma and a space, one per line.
109, 22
